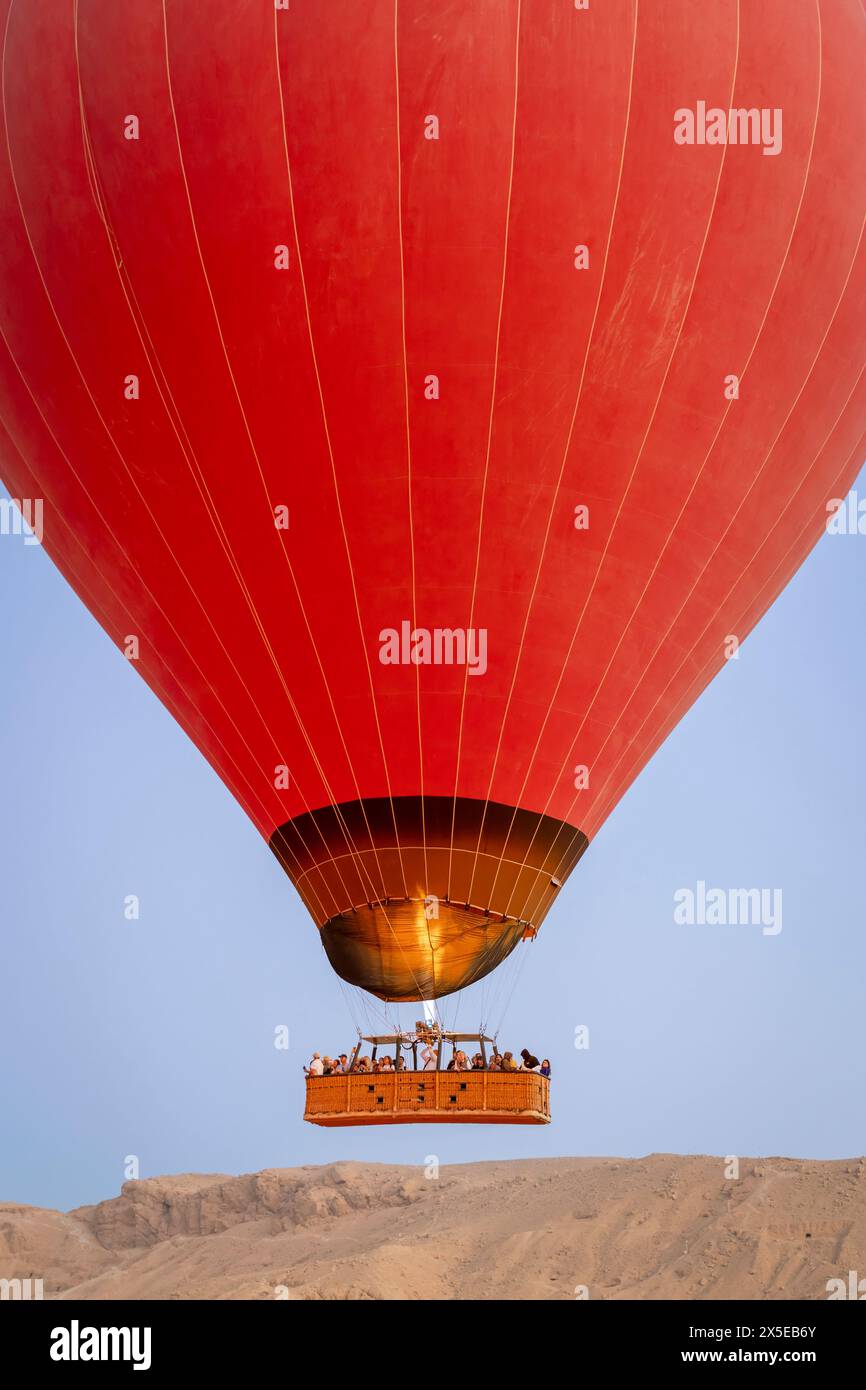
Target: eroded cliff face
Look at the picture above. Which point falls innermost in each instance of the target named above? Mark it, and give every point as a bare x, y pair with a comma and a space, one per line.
278, 1199
661, 1227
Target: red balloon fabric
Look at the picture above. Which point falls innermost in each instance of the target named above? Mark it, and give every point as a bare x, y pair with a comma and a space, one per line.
427, 398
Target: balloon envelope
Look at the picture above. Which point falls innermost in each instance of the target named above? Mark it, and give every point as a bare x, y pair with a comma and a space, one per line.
427, 405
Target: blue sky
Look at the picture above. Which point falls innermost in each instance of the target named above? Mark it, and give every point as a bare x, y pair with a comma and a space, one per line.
156, 1037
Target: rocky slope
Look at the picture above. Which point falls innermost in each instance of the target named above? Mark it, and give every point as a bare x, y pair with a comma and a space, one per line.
659, 1227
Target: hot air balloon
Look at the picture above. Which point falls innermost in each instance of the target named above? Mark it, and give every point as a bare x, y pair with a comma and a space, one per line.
425, 397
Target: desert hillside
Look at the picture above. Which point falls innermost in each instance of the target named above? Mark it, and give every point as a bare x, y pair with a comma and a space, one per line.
658, 1227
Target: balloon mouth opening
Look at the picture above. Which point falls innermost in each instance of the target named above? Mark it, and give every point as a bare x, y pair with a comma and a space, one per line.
418, 949
419, 896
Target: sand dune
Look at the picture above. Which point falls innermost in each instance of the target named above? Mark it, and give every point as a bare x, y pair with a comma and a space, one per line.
659, 1227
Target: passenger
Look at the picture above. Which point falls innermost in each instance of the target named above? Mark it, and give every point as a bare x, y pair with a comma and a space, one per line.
461, 1062
495, 1063
327, 1066
336, 1067
376, 1067
530, 1063
386, 1064
364, 1065
398, 1062
344, 1062
508, 1062
478, 1062
428, 1057
316, 1066
544, 1069
452, 1065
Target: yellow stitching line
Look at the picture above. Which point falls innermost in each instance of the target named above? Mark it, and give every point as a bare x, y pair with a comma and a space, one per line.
713, 664
408, 435
99, 416
244, 588
182, 721
760, 472
330, 448
555, 497
127, 289
186, 449
489, 427
783, 265
643, 442
338, 500
538, 870
109, 626
597, 798
697, 478
703, 678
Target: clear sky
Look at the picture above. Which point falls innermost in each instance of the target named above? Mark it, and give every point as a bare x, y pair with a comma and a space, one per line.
156, 1037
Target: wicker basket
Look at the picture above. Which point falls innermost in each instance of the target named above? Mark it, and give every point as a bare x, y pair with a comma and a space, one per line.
407, 1097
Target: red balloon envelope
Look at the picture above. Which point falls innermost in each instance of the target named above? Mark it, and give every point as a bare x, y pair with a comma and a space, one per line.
428, 397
